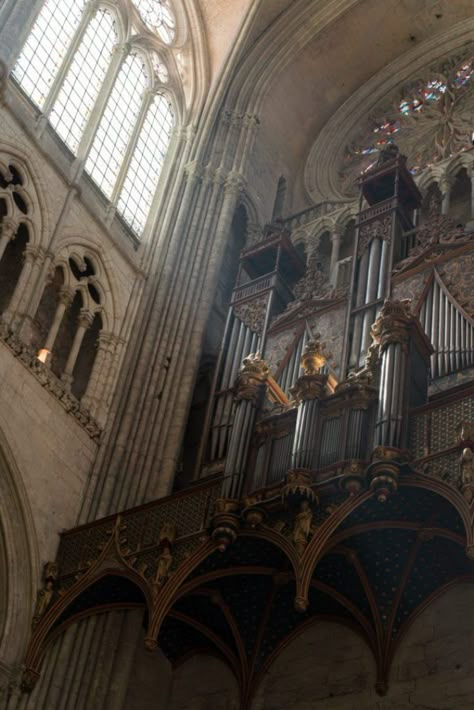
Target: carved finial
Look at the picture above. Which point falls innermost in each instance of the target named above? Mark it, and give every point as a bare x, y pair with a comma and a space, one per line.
314, 356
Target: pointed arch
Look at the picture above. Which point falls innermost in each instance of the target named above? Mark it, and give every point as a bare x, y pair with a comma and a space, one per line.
19, 544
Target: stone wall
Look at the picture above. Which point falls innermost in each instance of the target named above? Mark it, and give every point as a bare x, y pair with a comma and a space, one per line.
203, 683
329, 667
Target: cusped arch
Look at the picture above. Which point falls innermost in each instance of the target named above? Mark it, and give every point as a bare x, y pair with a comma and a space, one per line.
34, 188
111, 307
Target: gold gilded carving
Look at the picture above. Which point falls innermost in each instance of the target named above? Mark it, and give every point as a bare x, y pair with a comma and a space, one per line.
465, 432
303, 528
252, 377
165, 561
167, 533
467, 474
314, 356
49, 592
252, 313
298, 484
225, 522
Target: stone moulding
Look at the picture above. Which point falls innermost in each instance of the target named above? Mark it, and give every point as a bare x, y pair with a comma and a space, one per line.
47, 379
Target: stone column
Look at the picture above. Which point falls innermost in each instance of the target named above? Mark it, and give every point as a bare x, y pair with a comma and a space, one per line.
9, 230
308, 391
66, 296
84, 322
445, 185
31, 255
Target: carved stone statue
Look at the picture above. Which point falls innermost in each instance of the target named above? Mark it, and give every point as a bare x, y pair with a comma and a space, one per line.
303, 527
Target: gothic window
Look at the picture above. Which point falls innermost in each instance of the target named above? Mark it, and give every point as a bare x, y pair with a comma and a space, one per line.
46, 47
107, 91
14, 232
69, 321
117, 124
145, 166
158, 16
429, 119
82, 83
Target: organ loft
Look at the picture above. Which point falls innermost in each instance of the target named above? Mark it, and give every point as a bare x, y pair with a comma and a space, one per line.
236, 355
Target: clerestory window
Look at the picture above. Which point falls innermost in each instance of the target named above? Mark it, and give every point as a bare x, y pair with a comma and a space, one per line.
105, 92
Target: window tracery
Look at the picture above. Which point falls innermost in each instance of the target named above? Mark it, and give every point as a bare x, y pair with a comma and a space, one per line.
158, 16
107, 91
430, 120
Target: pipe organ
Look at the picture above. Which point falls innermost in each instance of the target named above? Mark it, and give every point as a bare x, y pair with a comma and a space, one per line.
288, 398
388, 198
449, 328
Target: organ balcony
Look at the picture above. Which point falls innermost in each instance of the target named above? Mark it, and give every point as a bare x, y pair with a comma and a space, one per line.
335, 477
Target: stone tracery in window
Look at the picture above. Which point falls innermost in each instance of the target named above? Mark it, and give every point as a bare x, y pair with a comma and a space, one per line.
430, 120
100, 90
158, 16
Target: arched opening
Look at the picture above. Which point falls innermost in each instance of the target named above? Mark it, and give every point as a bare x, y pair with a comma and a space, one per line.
460, 200
47, 308
11, 264
85, 359
66, 333
431, 203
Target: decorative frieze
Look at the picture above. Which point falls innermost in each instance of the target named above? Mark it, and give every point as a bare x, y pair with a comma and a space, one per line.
47, 379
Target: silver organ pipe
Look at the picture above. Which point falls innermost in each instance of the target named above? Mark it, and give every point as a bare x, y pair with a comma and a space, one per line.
450, 329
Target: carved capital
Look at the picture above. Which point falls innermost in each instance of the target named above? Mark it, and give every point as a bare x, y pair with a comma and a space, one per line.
9, 228
85, 319
66, 296
234, 183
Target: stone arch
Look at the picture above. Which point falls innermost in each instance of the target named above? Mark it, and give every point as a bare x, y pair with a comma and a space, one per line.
19, 564
33, 187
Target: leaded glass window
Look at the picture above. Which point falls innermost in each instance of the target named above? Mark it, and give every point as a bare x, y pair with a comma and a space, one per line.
146, 163
84, 79
117, 124
88, 68
46, 47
